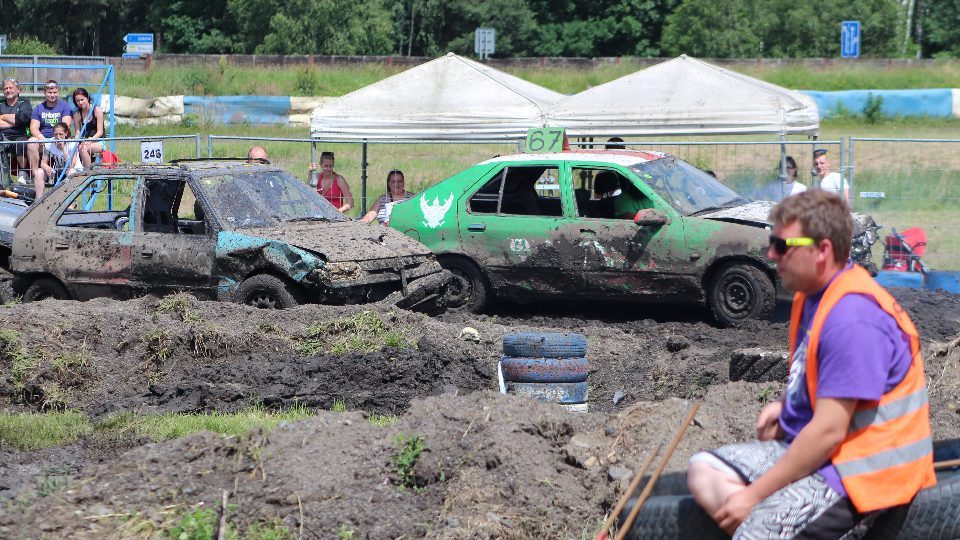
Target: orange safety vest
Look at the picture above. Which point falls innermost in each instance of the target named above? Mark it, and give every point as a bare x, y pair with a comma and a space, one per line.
887, 456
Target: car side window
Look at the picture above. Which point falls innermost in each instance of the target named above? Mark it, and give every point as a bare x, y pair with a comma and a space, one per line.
191, 217
598, 192
102, 203
530, 190
161, 201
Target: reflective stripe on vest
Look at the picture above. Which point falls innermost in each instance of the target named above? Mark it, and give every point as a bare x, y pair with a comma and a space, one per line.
886, 459
887, 455
889, 411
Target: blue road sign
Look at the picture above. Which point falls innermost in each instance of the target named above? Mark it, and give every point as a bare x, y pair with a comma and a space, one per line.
131, 55
138, 38
850, 39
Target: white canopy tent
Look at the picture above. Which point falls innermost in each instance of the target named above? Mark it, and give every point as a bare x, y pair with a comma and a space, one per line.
449, 98
685, 96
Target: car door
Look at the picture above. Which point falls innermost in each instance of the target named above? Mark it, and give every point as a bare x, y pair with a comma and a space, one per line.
618, 257
88, 240
173, 243
511, 225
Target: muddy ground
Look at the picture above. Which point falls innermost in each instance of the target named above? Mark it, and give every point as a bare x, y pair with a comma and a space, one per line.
494, 466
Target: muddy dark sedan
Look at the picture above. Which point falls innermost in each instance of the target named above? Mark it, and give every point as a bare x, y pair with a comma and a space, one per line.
219, 229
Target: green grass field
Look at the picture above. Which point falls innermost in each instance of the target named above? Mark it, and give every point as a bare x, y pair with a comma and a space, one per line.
323, 80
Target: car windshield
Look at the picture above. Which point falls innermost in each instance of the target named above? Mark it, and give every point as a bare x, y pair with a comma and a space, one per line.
247, 200
685, 187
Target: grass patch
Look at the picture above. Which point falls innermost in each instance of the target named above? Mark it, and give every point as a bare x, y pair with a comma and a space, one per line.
361, 332
170, 426
382, 420
180, 305
34, 431
405, 460
338, 406
201, 524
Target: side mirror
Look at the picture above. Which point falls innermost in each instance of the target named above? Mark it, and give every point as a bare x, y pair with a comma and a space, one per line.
650, 217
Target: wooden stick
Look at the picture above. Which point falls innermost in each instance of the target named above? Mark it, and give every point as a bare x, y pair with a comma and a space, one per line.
946, 464
602, 535
222, 523
625, 527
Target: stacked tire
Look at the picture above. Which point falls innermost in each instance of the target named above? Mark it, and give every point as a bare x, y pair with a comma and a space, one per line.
551, 367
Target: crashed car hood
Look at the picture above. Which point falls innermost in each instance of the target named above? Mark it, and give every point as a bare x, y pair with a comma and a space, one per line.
756, 214
344, 241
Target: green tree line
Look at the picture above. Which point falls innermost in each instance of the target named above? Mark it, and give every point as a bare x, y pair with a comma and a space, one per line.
573, 28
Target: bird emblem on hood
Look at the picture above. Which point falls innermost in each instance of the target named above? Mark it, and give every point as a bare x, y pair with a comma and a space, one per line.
433, 213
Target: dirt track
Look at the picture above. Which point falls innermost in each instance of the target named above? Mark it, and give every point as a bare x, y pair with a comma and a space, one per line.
494, 466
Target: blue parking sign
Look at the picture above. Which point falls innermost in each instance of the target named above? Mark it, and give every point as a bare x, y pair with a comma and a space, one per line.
850, 39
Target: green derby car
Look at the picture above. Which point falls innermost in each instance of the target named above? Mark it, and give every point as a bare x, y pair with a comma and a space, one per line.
596, 226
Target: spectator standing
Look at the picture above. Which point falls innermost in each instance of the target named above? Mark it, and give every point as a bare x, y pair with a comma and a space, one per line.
14, 120
396, 192
829, 181
786, 186
257, 152
55, 156
89, 123
45, 116
331, 184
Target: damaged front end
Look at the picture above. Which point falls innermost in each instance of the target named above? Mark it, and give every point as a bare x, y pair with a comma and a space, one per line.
413, 281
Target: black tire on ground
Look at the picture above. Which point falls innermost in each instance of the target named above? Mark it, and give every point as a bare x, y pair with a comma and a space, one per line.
933, 515
739, 292
545, 345
673, 517
468, 290
45, 288
267, 292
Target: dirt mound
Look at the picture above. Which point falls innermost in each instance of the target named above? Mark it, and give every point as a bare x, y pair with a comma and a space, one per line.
491, 466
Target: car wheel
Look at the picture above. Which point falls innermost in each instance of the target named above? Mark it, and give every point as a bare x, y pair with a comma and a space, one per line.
739, 292
45, 288
468, 289
267, 292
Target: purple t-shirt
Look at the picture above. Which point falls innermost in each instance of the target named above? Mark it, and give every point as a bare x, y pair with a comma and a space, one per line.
49, 116
862, 355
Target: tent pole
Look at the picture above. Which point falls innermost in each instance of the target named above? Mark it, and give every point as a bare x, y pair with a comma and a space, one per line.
783, 163
363, 179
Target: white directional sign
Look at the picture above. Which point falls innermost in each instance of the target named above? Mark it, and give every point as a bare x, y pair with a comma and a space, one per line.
484, 42
138, 48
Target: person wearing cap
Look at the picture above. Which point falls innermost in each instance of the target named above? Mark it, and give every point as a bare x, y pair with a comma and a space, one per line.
829, 181
45, 116
850, 436
14, 120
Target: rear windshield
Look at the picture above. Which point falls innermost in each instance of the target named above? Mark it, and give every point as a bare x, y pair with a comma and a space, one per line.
246, 200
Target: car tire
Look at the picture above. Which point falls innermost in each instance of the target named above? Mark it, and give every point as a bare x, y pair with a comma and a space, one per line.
545, 345
267, 292
675, 517
739, 292
468, 290
544, 370
45, 288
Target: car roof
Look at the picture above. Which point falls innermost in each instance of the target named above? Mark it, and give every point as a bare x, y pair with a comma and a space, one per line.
617, 157
202, 166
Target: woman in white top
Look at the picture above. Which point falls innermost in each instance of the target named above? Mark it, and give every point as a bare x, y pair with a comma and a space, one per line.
384, 205
788, 185
55, 156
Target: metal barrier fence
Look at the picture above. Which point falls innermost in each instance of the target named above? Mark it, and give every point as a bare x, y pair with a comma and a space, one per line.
365, 164
907, 183
128, 149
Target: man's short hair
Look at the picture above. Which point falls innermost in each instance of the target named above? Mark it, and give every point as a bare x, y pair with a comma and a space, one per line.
822, 215
14, 81
51, 84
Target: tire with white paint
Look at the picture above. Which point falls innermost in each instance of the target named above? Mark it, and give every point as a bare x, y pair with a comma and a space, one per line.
564, 393
545, 370
545, 345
